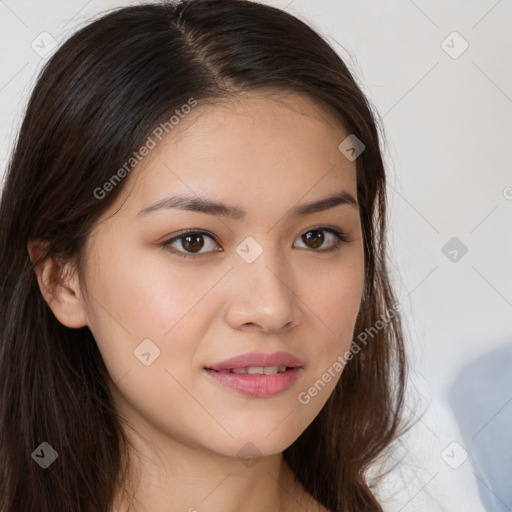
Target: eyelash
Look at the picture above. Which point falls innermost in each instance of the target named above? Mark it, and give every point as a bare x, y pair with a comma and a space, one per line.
341, 238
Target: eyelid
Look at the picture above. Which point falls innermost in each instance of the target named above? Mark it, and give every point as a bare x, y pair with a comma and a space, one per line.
332, 229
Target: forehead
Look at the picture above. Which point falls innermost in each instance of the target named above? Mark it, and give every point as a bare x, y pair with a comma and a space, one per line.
266, 145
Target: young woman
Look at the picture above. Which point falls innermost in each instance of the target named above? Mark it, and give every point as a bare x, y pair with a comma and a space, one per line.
196, 310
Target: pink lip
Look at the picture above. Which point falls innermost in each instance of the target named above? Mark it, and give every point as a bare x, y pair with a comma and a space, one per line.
258, 359
259, 386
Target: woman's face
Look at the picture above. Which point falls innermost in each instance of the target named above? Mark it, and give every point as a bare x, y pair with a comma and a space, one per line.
163, 309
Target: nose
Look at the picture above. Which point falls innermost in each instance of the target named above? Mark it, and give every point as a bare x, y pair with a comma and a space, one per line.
262, 295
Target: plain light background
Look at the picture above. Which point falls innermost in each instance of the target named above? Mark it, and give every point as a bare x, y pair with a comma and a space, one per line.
439, 76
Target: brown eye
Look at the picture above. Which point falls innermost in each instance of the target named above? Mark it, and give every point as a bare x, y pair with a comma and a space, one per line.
192, 243
313, 238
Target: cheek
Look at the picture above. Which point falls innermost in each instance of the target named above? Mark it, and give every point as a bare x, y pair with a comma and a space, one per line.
149, 293
152, 309
137, 297
333, 304
334, 296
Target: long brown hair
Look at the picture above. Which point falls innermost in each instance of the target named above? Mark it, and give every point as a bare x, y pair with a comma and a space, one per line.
95, 103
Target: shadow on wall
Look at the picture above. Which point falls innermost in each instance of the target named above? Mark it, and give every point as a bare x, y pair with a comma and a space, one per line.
481, 399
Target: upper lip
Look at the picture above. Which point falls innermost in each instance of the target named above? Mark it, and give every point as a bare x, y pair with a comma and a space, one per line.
257, 359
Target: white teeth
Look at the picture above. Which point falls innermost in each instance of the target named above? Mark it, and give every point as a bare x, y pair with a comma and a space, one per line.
258, 370
239, 370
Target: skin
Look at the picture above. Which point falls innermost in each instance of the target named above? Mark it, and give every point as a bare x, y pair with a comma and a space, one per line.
266, 154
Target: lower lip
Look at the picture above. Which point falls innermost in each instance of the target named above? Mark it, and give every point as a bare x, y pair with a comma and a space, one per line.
259, 386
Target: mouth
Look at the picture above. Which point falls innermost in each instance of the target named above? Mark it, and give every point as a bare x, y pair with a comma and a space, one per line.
255, 381
256, 374
254, 370
256, 363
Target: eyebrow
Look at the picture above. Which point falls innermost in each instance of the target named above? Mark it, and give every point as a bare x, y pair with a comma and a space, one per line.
211, 207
